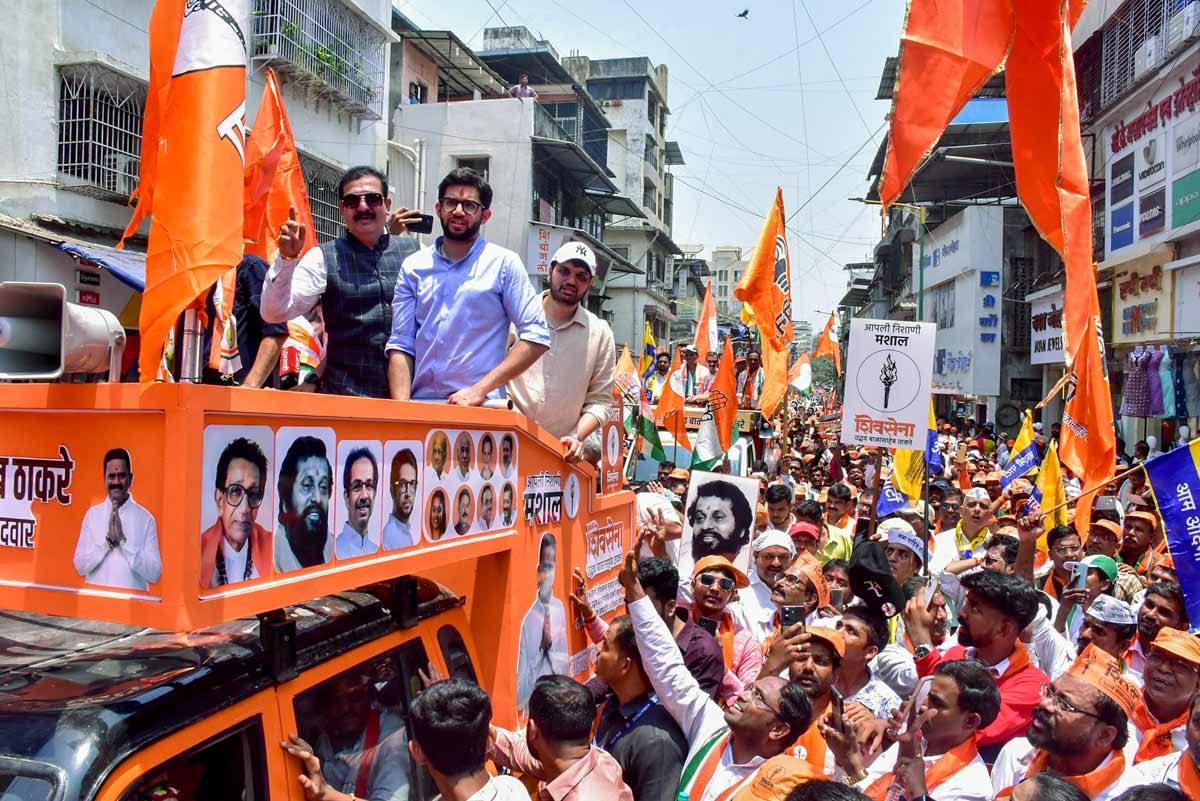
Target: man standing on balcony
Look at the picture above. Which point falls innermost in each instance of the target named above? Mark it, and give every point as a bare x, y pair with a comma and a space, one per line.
568, 391
522, 88
454, 304
352, 277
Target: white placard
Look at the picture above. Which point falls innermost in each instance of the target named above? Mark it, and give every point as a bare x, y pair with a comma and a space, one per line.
889, 372
1046, 331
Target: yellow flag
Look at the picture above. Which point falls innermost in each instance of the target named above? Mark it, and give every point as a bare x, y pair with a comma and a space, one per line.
1050, 488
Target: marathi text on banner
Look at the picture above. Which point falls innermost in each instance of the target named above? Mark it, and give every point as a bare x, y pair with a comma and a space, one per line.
1175, 481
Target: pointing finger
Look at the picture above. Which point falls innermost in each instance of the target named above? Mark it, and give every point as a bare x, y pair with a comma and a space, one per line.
291, 212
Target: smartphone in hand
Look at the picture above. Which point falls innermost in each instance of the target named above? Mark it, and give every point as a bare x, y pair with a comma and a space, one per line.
790, 616
709, 625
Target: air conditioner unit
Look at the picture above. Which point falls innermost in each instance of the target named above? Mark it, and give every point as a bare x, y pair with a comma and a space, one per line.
1182, 26
1147, 56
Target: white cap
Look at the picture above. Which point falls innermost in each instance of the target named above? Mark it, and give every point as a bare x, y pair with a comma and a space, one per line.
901, 533
1108, 609
774, 537
1037, 426
976, 494
576, 251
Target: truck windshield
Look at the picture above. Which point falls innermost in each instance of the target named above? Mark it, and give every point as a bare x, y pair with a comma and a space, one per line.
19, 787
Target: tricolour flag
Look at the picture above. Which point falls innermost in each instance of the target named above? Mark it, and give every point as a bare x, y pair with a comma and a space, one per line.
649, 349
669, 411
706, 327
766, 288
948, 50
193, 152
800, 375
715, 437
1175, 483
1024, 456
828, 346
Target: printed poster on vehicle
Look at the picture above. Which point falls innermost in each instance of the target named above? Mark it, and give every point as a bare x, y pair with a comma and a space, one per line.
889, 372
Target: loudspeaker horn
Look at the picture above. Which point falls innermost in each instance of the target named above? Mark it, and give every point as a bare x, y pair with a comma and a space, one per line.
43, 336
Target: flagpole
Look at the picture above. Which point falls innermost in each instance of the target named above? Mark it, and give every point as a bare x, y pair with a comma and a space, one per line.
925, 511
877, 486
1093, 490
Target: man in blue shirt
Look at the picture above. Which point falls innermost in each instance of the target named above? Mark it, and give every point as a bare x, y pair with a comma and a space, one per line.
454, 304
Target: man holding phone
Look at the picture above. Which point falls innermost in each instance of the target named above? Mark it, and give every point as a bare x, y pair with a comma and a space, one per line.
714, 581
352, 278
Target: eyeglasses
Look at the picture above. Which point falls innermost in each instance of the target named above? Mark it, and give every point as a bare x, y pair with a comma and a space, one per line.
951, 507
760, 700
1066, 550
708, 579
359, 486
788, 580
352, 200
1160, 661
1051, 694
411, 486
469, 206
234, 493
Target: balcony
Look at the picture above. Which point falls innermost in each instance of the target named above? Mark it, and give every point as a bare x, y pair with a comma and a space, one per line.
545, 126
100, 115
325, 47
1140, 37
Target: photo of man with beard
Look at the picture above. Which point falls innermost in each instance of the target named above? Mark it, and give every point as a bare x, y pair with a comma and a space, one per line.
437, 515
235, 547
463, 502
397, 533
360, 481
720, 519
305, 485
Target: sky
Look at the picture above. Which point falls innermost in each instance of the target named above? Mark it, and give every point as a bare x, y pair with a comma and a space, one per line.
783, 98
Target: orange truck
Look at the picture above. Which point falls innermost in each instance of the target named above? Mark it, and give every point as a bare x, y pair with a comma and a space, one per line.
189, 574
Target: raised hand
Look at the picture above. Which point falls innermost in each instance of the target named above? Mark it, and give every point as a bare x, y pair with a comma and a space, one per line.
291, 236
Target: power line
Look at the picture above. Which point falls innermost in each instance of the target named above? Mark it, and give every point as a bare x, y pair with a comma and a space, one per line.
836, 71
835, 173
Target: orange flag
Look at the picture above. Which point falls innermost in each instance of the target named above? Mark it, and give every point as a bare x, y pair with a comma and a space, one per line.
274, 179
193, 149
766, 287
828, 346
706, 326
1052, 183
669, 411
948, 50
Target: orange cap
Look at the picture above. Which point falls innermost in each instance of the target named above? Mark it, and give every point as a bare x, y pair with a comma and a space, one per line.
1149, 517
1103, 671
812, 571
1178, 644
1111, 527
830, 636
777, 777
718, 562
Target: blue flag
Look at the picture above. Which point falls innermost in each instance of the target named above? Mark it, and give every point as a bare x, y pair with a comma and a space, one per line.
891, 500
1024, 453
1175, 482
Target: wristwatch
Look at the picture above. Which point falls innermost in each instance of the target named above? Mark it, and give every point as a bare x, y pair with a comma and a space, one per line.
920, 652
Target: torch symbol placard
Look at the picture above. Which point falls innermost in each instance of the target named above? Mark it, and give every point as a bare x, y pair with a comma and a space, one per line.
888, 376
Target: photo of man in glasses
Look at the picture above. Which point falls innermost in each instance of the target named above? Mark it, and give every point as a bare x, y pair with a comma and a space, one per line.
236, 548
353, 278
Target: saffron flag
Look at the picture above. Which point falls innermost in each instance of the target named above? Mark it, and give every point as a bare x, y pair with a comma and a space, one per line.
1049, 492
649, 349
800, 375
193, 149
1175, 483
828, 346
715, 437
706, 327
960, 43
766, 287
1024, 455
629, 383
1052, 182
669, 411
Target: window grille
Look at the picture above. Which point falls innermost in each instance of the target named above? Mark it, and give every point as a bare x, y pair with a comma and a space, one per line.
325, 46
1021, 278
1142, 35
323, 201
100, 115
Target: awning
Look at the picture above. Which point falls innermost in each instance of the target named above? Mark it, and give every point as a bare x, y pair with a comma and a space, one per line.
458, 66
127, 266
659, 312
672, 155
857, 294
571, 158
617, 205
538, 63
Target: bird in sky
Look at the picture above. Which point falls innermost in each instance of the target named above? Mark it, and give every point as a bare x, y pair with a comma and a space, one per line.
745, 14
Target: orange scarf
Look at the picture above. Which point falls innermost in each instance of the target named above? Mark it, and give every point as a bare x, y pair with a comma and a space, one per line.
1051, 588
1156, 737
814, 745
1189, 777
1092, 784
947, 765
1018, 661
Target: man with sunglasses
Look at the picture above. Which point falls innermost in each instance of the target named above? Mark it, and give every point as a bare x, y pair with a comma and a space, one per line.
454, 304
235, 547
352, 277
714, 581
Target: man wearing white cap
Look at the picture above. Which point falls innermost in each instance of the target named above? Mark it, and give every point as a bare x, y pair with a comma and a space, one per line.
754, 611
695, 375
568, 390
903, 548
965, 541
1109, 624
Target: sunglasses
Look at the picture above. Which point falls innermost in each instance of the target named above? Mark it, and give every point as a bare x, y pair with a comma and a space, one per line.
708, 579
353, 199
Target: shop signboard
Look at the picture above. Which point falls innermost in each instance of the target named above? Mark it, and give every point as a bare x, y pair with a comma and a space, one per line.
1185, 199
1121, 227
1046, 330
889, 372
1185, 139
1141, 304
1187, 302
1152, 212
1121, 182
1151, 162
